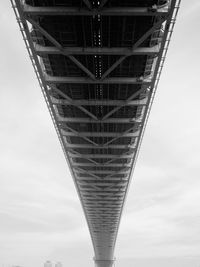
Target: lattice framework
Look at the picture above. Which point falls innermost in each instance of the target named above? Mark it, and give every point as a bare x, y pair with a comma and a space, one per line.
98, 64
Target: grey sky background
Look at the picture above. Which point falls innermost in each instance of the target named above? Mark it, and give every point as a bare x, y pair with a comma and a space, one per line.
40, 214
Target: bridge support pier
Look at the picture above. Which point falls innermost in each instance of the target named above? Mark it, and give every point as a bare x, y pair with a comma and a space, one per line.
104, 263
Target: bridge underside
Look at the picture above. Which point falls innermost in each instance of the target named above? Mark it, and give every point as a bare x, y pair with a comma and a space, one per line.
98, 63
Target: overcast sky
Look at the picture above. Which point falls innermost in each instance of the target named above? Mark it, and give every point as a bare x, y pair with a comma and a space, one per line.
40, 214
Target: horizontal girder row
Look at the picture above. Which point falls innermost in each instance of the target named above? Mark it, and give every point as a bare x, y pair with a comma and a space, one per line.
99, 93
99, 102
90, 120
73, 11
100, 202
44, 50
100, 156
89, 164
90, 201
113, 197
103, 220
107, 197
100, 134
88, 146
83, 80
95, 188
99, 222
114, 202
103, 217
87, 178
124, 173
109, 215
99, 207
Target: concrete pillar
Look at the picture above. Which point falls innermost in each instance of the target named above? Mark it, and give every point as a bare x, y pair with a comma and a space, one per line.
104, 263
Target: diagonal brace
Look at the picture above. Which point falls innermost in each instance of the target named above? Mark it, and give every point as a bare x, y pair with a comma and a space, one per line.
140, 41
61, 49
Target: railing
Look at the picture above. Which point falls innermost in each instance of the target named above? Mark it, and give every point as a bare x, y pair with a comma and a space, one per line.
36, 66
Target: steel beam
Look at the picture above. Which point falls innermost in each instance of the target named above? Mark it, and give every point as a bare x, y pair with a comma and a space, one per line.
137, 44
97, 221
91, 200
117, 179
101, 200
115, 109
88, 146
149, 51
87, 172
103, 220
83, 80
59, 46
103, 171
115, 165
106, 209
102, 4
67, 98
75, 11
88, 3
89, 120
93, 102
121, 193
103, 215
101, 156
92, 189
102, 183
120, 176
101, 134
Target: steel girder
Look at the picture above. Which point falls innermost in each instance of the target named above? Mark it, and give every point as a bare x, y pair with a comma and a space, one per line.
112, 11
98, 76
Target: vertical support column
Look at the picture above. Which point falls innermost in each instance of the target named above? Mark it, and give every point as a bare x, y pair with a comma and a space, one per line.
103, 263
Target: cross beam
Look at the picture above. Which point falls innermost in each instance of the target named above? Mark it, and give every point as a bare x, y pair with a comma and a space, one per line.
149, 51
74, 11
88, 146
115, 165
94, 102
109, 120
101, 134
101, 156
83, 80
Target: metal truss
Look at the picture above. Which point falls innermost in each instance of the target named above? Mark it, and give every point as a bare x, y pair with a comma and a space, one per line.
74, 11
150, 51
98, 73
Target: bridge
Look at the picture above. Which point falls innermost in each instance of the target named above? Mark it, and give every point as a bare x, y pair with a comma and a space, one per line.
98, 63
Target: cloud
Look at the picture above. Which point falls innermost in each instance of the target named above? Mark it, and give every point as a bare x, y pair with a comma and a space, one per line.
40, 214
